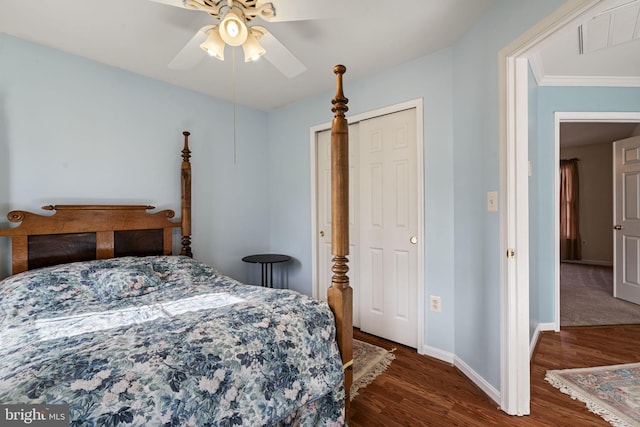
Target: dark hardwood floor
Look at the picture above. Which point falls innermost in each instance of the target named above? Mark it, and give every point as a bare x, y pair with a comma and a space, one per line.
421, 391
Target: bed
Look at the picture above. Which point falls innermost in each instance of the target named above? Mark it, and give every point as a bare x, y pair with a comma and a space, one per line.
101, 316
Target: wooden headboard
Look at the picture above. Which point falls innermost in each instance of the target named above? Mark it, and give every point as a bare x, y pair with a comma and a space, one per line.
87, 232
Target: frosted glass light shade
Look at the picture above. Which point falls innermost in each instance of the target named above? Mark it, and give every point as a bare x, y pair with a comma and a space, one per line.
252, 49
214, 45
233, 30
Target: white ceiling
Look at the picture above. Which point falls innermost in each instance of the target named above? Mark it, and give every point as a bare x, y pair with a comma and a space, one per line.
610, 57
368, 36
611, 49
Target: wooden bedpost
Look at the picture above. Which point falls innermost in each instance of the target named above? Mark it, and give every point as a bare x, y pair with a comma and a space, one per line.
340, 294
186, 197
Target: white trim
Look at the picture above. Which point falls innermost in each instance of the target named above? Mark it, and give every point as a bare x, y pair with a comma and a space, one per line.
514, 326
521, 189
436, 353
514, 228
477, 379
545, 327
556, 225
534, 341
313, 142
612, 81
536, 335
597, 116
575, 117
418, 105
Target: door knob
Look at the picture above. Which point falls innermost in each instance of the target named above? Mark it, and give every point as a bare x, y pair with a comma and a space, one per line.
321, 233
413, 240
617, 227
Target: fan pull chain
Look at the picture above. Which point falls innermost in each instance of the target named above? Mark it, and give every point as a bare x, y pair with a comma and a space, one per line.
233, 84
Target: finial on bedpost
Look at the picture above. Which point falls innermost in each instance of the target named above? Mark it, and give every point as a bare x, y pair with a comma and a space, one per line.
340, 294
186, 197
339, 102
186, 153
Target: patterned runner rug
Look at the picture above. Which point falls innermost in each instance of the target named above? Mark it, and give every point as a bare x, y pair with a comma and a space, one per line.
369, 361
612, 392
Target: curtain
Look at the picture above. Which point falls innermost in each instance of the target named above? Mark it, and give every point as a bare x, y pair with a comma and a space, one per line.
570, 242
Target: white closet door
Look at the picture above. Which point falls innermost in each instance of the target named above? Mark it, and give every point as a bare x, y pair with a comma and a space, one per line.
388, 227
383, 264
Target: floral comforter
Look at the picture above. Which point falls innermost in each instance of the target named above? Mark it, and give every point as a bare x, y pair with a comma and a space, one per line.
167, 341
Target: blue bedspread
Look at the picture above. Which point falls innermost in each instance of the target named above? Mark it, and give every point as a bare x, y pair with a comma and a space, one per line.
167, 341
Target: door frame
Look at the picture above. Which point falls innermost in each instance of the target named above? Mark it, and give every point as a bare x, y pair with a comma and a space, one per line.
416, 104
514, 221
574, 117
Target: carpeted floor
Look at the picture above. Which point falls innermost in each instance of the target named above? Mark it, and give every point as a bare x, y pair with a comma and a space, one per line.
586, 297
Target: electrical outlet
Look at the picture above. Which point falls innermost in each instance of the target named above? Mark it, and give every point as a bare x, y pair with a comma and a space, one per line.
435, 304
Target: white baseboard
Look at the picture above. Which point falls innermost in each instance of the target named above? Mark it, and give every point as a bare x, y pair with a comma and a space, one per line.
489, 390
546, 327
464, 368
536, 335
436, 353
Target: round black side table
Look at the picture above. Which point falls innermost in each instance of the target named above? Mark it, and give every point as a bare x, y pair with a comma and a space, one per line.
266, 262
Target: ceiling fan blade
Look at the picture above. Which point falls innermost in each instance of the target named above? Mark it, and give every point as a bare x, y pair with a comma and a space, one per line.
281, 57
303, 10
176, 3
191, 54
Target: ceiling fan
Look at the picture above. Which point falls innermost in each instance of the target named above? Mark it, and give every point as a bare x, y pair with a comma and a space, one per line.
231, 28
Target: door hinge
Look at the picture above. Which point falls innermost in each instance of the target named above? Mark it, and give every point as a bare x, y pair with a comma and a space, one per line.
511, 253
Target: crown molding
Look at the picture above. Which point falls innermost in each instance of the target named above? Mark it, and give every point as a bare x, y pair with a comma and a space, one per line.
617, 81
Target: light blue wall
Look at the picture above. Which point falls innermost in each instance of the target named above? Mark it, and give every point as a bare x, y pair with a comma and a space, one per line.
76, 131
66, 128
550, 101
460, 91
429, 78
476, 171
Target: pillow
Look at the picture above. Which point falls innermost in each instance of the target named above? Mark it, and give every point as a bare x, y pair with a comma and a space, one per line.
123, 282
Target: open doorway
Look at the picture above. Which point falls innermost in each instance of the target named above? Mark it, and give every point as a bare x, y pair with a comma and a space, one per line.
586, 273
517, 338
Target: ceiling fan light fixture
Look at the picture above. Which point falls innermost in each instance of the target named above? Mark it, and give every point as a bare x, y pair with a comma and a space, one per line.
233, 30
214, 45
252, 48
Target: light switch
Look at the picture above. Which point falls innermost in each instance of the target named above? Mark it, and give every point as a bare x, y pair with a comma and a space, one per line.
492, 201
